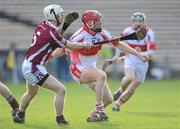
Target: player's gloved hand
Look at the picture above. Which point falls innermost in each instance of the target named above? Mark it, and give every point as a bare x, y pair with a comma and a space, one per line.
107, 62
144, 58
88, 44
115, 59
141, 32
118, 59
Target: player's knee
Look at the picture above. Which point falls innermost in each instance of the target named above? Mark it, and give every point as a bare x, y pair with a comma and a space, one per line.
32, 93
61, 90
102, 76
129, 79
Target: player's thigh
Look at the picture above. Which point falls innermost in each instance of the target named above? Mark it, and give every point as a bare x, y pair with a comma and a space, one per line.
141, 72
53, 84
91, 74
129, 73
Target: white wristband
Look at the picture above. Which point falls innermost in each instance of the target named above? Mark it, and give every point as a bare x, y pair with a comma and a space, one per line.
117, 52
84, 44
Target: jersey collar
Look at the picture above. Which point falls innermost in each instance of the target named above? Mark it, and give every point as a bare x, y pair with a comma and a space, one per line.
51, 25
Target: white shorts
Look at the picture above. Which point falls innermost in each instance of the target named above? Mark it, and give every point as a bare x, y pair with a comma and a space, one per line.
34, 74
136, 64
76, 71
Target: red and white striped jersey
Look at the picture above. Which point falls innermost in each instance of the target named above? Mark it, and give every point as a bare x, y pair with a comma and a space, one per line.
88, 56
46, 38
147, 45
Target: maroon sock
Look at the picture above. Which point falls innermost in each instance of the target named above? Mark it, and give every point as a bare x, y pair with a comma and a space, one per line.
13, 102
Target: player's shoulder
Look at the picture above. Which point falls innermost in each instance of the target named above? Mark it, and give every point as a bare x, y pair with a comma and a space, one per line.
42, 24
106, 32
149, 30
78, 34
128, 29
44, 27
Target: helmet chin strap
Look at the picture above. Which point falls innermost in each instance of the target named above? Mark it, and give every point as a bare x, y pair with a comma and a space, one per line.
97, 30
52, 11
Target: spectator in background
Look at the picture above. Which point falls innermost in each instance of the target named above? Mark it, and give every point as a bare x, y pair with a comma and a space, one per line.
11, 57
11, 63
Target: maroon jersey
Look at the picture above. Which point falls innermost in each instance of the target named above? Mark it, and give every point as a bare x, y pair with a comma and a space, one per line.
46, 38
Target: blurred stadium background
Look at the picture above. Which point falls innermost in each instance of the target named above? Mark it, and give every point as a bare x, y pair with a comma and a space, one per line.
18, 17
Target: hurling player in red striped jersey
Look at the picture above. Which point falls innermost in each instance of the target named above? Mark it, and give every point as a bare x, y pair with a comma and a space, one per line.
83, 67
134, 69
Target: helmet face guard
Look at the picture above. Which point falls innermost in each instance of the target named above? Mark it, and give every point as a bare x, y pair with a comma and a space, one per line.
53, 12
92, 19
57, 16
98, 30
138, 19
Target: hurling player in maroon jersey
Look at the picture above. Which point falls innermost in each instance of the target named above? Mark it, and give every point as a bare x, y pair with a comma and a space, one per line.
46, 39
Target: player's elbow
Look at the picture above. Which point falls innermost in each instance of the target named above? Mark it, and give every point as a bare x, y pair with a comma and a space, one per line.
72, 46
58, 52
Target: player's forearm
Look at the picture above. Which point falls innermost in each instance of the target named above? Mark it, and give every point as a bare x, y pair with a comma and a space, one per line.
148, 53
75, 45
126, 48
58, 52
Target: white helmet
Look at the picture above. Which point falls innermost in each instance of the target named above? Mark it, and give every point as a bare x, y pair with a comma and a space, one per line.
138, 16
53, 12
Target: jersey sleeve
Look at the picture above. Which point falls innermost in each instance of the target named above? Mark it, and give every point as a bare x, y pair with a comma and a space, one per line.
77, 36
57, 38
126, 32
151, 41
151, 46
108, 36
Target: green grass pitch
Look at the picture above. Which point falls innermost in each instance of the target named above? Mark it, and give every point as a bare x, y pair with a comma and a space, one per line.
155, 105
